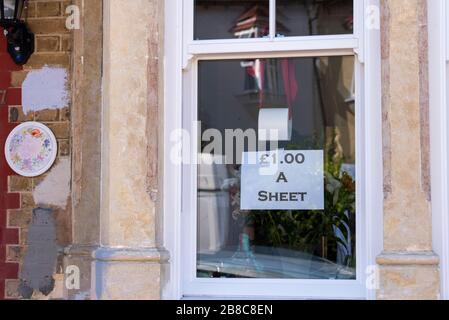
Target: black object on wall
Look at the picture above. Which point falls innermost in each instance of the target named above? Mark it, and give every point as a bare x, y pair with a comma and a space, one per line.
20, 40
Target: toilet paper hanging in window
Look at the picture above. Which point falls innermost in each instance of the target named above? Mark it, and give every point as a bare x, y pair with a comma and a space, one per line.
275, 124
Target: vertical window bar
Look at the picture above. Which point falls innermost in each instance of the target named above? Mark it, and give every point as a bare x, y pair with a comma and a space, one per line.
188, 18
359, 27
272, 19
446, 9
16, 10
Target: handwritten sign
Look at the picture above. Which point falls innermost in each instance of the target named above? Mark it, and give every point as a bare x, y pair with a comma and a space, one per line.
282, 180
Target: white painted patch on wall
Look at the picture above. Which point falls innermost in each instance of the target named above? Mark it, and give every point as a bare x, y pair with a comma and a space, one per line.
45, 88
54, 190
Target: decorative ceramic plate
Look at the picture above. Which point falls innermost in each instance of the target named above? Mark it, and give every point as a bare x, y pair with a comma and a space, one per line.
31, 149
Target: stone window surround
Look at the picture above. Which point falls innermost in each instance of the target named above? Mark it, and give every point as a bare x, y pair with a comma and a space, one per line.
131, 249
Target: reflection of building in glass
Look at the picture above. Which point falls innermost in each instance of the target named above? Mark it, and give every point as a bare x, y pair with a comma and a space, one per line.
228, 19
254, 23
9, 9
269, 83
319, 94
316, 17
270, 243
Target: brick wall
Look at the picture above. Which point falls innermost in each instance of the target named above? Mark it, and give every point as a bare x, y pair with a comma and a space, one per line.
46, 19
8, 201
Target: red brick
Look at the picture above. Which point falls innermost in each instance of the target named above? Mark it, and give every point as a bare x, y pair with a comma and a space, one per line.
2, 41
9, 236
5, 79
6, 63
9, 270
10, 201
14, 97
3, 219
3, 96
2, 290
2, 252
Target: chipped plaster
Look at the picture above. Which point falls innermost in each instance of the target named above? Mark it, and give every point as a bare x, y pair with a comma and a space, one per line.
54, 190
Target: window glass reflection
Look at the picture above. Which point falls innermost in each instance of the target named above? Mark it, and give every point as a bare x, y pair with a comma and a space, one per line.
277, 244
314, 17
9, 9
230, 19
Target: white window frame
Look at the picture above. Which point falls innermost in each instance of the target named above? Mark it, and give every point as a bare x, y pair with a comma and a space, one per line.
438, 15
179, 207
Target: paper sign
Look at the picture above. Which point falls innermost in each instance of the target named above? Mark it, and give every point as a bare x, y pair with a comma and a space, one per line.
282, 180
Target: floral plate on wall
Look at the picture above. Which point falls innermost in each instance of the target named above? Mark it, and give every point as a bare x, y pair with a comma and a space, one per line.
31, 149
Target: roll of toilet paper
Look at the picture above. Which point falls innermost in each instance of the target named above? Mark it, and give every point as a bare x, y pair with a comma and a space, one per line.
275, 125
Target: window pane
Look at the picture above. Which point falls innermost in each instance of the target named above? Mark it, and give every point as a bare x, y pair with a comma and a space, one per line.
314, 17
9, 9
229, 19
236, 242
